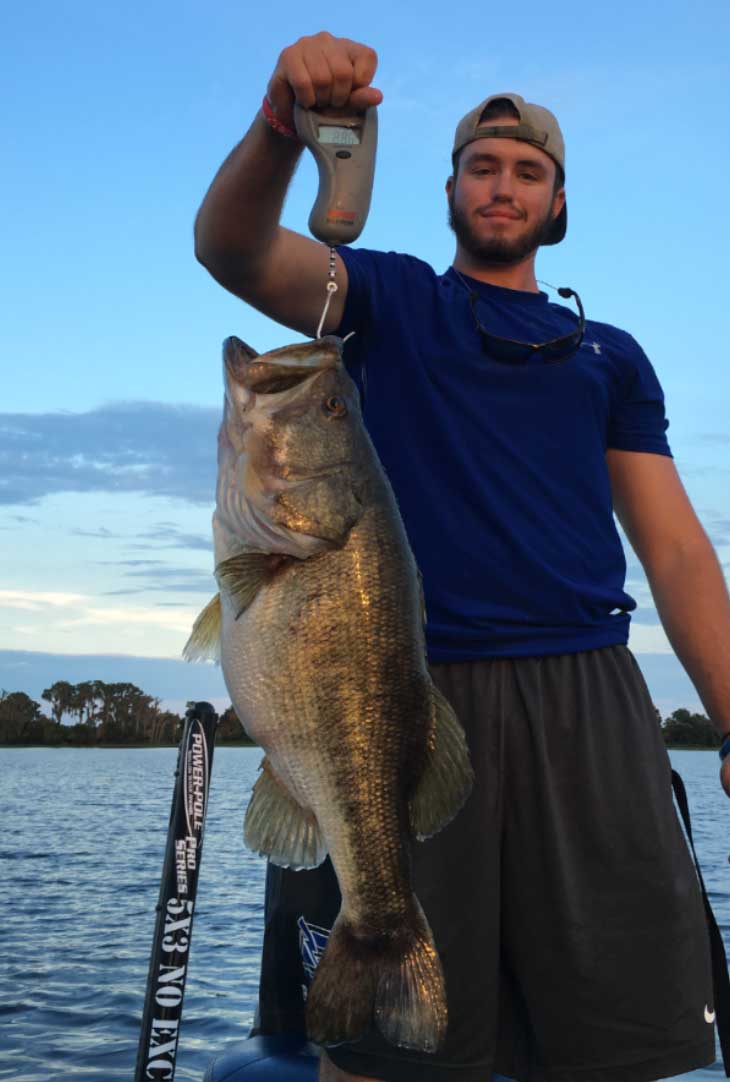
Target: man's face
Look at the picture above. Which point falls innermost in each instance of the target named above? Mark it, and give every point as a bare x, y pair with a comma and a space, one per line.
502, 201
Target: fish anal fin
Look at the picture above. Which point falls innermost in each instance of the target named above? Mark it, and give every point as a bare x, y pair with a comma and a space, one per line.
278, 827
447, 776
204, 643
241, 576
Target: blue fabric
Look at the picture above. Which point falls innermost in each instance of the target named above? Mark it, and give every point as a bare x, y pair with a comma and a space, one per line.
499, 469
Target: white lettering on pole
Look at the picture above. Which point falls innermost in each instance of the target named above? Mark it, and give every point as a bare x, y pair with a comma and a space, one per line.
174, 938
172, 984
195, 782
163, 1027
160, 1065
198, 782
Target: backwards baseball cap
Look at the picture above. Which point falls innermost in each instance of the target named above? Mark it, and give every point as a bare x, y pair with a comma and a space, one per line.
536, 125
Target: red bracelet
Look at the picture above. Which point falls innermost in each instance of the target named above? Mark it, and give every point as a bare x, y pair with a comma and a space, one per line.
275, 123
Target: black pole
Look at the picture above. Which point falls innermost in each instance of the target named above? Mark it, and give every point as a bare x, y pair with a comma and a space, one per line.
173, 929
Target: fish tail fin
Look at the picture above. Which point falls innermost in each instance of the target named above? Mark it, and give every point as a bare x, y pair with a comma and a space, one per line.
410, 1005
394, 981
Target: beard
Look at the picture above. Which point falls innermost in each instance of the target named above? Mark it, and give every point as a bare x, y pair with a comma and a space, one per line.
497, 250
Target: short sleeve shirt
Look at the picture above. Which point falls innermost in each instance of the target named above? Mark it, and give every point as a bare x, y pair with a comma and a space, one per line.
499, 468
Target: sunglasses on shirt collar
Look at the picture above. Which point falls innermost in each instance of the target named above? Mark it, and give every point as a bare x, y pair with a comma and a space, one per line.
511, 351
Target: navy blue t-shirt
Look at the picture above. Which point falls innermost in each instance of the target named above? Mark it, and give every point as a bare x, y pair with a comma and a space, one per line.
500, 468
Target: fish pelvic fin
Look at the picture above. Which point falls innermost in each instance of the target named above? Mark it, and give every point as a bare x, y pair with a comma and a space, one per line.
447, 776
204, 643
279, 828
242, 576
394, 981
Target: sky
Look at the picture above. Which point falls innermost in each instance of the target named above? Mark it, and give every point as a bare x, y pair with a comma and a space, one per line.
116, 118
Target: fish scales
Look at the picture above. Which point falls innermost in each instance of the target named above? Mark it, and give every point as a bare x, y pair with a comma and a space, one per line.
320, 629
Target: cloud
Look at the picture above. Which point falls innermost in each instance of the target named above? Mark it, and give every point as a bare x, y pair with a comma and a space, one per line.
713, 437
102, 532
172, 536
649, 639
149, 447
168, 679
170, 579
37, 600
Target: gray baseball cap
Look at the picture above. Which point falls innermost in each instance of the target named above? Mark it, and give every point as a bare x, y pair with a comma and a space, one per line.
537, 126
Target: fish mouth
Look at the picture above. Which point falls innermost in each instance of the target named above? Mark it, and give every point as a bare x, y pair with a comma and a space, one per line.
281, 369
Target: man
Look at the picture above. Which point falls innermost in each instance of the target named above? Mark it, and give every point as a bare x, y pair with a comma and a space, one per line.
563, 899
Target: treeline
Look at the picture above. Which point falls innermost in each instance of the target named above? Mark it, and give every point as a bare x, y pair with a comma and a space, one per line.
95, 714
684, 729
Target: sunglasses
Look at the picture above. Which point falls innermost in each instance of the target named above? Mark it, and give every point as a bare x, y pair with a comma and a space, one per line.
510, 351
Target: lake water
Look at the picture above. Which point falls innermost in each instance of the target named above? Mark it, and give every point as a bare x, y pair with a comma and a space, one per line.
83, 837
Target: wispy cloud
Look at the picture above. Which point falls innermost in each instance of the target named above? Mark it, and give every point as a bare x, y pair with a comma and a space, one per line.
148, 447
102, 533
187, 580
714, 437
36, 600
169, 535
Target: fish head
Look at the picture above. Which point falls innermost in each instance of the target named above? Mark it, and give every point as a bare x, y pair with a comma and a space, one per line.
289, 440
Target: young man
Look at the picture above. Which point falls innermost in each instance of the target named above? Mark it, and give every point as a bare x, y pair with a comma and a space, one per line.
563, 900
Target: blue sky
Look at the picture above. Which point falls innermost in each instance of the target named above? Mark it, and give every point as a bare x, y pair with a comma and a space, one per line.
117, 117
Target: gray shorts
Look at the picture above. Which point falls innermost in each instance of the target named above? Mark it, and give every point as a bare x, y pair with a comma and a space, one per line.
563, 899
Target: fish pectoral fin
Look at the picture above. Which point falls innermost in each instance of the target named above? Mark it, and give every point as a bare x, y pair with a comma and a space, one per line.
447, 776
204, 643
242, 576
278, 827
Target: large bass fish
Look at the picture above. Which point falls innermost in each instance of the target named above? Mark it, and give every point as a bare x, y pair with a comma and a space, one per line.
319, 629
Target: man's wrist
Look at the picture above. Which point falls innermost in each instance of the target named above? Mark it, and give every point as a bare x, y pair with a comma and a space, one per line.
274, 123
725, 746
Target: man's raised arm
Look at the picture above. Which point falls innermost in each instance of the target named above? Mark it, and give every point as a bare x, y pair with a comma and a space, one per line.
238, 237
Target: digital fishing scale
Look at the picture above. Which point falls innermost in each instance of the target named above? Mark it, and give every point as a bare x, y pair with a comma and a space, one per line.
343, 143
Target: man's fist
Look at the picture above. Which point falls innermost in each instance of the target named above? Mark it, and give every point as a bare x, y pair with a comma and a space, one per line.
323, 70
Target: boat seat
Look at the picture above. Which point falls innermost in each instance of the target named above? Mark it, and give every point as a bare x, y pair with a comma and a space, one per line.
272, 1059
281, 1058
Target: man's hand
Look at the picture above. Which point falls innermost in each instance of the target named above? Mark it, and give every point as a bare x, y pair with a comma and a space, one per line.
323, 70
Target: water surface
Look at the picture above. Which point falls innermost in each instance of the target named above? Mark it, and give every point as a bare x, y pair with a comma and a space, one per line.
81, 852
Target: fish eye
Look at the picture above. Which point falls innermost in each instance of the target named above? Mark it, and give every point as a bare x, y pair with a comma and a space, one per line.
335, 406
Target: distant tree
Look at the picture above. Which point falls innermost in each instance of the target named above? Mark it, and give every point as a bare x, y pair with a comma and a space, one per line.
81, 735
83, 701
230, 728
168, 728
19, 715
126, 714
683, 728
61, 698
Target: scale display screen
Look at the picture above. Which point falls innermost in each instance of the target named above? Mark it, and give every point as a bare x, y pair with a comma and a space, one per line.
330, 133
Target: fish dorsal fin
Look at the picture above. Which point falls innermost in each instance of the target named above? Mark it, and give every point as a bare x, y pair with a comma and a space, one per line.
447, 776
204, 643
279, 828
241, 576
